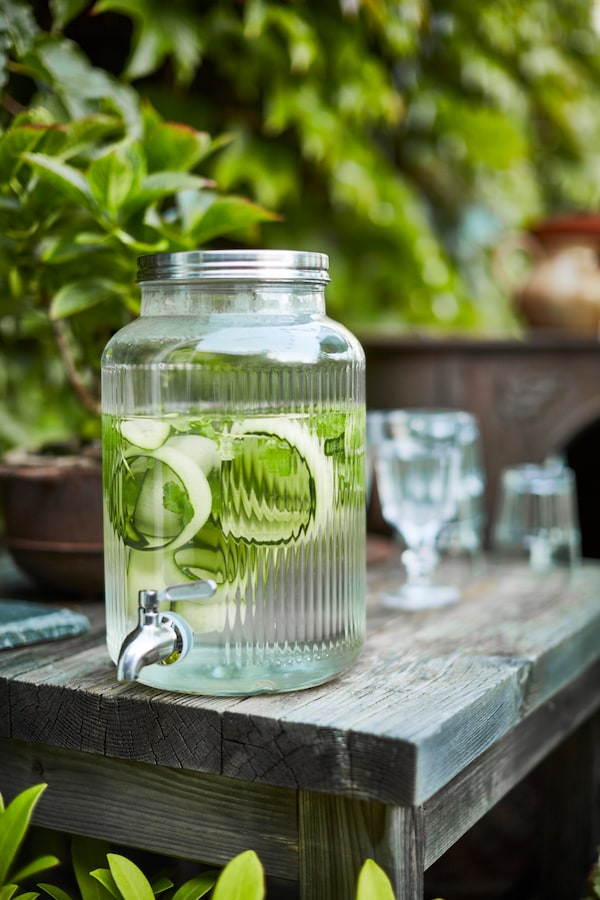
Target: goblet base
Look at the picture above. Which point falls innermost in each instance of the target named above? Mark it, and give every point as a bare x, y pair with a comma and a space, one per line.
420, 596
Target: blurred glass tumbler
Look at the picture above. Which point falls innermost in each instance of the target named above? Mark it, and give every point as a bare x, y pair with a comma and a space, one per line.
537, 514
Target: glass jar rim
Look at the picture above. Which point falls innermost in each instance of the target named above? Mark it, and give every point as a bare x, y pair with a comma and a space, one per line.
233, 265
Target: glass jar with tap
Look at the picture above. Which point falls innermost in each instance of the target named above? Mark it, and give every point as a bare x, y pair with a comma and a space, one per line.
234, 477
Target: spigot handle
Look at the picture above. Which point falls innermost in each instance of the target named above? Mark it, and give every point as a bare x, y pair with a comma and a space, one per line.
177, 593
191, 590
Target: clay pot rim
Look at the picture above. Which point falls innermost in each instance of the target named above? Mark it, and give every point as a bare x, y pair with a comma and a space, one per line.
568, 223
40, 463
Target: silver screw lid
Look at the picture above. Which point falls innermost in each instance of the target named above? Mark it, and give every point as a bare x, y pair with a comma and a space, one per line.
234, 265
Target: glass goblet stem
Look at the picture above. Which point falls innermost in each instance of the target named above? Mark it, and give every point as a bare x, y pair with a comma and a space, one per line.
420, 564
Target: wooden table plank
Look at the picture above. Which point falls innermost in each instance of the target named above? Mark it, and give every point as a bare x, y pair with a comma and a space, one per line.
169, 811
463, 801
337, 834
429, 694
443, 713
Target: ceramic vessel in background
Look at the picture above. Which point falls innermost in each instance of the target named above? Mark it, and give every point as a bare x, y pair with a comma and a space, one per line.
561, 291
52, 509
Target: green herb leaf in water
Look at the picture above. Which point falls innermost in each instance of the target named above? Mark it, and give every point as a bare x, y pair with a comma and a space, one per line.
175, 500
334, 446
276, 456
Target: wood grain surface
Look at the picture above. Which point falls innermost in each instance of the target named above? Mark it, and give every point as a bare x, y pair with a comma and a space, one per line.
430, 693
445, 711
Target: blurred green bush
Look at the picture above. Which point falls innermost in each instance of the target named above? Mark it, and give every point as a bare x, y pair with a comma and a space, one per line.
402, 138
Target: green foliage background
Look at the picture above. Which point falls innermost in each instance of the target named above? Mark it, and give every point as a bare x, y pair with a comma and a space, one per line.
403, 138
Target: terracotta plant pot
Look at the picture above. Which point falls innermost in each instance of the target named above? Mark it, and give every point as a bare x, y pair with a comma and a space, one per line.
52, 509
561, 292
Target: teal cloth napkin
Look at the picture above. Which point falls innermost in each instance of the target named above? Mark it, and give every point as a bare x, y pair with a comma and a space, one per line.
24, 622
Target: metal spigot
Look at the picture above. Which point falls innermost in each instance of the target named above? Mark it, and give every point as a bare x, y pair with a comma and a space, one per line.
160, 637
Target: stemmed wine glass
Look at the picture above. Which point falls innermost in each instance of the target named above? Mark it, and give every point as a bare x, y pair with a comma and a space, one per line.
417, 465
464, 533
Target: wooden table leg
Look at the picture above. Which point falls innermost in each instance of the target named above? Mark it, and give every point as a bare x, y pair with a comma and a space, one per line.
570, 779
336, 836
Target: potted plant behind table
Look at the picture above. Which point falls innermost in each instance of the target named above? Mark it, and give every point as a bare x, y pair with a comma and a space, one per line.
91, 177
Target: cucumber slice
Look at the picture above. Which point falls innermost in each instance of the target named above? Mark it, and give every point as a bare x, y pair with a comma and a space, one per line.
147, 434
279, 485
195, 484
203, 560
202, 450
150, 510
279, 500
152, 517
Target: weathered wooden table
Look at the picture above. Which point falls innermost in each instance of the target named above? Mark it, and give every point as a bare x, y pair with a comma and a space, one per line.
443, 714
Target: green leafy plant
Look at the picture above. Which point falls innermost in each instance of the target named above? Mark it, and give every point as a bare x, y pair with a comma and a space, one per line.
14, 822
91, 176
104, 875
402, 138
373, 883
242, 878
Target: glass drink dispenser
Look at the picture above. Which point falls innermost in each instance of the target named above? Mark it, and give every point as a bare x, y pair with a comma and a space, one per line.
234, 477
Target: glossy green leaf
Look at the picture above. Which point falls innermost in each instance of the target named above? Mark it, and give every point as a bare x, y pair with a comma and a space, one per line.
160, 185
132, 8
89, 854
161, 884
159, 33
13, 143
130, 241
373, 883
63, 11
78, 296
14, 822
90, 133
227, 215
301, 40
64, 178
28, 895
129, 879
18, 22
8, 891
241, 879
196, 887
106, 880
57, 250
35, 866
113, 177
172, 146
55, 892
82, 88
